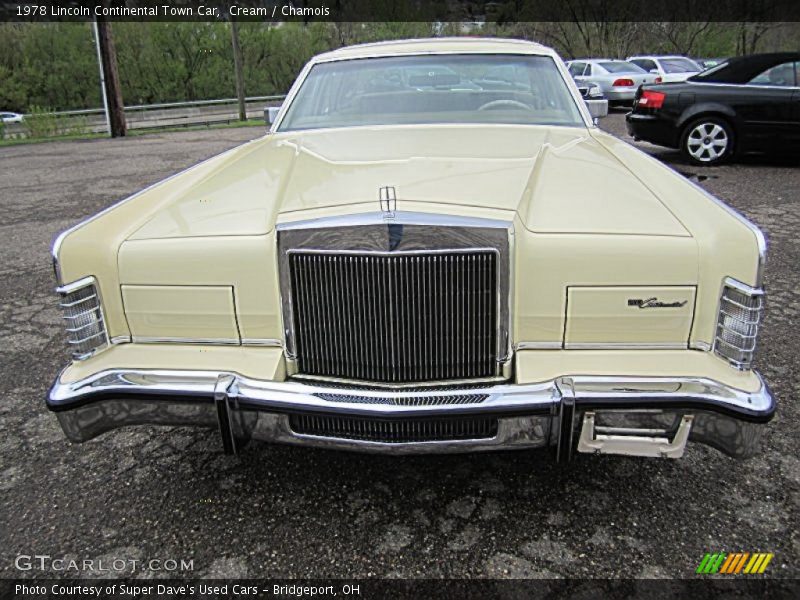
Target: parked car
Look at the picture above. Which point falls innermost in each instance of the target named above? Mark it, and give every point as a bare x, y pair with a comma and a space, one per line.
618, 79
11, 117
421, 270
592, 94
746, 104
590, 90
667, 68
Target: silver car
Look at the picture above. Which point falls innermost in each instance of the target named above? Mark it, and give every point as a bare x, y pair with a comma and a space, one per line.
11, 117
618, 79
667, 69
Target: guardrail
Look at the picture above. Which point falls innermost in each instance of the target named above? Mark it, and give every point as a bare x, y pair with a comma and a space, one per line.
159, 116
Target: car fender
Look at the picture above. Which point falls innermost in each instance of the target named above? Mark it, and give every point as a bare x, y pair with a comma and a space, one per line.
706, 108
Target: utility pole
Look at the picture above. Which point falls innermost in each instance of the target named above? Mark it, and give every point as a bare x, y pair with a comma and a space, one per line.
237, 65
102, 76
113, 92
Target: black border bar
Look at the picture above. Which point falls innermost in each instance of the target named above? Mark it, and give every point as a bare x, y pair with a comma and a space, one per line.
501, 12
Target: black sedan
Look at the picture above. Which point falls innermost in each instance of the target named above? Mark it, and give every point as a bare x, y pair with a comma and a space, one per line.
747, 104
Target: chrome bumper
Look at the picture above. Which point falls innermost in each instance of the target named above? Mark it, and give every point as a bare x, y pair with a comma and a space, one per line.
625, 95
620, 415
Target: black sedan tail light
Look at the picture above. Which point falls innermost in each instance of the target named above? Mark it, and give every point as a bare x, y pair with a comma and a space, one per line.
651, 99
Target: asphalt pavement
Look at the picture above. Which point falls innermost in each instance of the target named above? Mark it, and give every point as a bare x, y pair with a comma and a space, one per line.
148, 493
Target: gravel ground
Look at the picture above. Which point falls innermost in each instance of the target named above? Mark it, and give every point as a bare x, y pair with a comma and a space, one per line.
150, 493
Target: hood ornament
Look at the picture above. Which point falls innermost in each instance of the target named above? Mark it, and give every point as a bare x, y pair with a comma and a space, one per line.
388, 200
654, 303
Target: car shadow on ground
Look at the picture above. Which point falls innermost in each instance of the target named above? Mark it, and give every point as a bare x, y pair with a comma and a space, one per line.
509, 474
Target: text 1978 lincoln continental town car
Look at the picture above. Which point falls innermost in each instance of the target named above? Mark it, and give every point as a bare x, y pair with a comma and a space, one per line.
433, 250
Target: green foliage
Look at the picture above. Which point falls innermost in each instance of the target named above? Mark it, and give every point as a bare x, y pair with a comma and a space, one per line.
47, 64
55, 64
42, 123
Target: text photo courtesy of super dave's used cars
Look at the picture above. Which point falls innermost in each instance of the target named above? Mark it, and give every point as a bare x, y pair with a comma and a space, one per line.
407, 263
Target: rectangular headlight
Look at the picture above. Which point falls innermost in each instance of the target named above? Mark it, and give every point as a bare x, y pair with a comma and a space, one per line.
83, 317
740, 309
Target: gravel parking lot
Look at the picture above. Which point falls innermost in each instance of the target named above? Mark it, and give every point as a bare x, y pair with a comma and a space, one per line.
151, 493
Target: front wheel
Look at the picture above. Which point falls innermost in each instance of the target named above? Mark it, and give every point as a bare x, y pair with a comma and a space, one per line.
707, 141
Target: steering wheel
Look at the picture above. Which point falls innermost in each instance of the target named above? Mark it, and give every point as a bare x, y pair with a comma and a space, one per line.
505, 103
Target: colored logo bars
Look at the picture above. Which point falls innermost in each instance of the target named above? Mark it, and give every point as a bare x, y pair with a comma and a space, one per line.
734, 563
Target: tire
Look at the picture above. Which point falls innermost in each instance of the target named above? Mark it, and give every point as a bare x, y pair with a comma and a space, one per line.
707, 141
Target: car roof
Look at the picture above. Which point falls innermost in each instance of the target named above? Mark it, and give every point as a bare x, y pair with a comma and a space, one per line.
445, 45
597, 60
741, 69
658, 56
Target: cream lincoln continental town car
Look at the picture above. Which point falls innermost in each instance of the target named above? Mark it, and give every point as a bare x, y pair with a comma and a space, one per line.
434, 249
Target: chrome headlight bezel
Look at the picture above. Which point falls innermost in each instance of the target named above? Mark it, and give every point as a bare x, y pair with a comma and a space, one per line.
738, 319
84, 320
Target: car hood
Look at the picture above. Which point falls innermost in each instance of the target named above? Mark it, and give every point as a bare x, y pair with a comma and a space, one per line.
557, 179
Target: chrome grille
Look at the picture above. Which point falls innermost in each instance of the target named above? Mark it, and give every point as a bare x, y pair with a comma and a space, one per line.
83, 317
394, 431
395, 318
737, 326
439, 400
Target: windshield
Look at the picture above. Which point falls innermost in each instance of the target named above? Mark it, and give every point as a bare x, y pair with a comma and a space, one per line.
679, 65
461, 88
621, 66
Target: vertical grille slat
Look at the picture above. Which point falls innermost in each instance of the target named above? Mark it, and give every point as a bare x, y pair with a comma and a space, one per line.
395, 431
395, 318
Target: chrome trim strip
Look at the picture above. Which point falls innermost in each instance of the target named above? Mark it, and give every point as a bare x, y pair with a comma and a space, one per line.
625, 346
742, 287
81, 314
81, 301
271, 342
138, 339
538, 345
761, 240
401, 217
433, 385
77, 285
121, 339
394, 253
